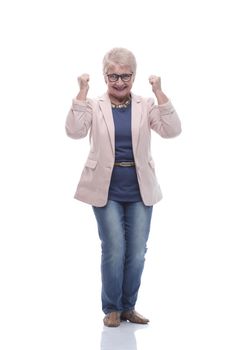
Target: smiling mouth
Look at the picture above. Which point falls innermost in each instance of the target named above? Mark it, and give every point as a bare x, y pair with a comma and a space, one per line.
118, 88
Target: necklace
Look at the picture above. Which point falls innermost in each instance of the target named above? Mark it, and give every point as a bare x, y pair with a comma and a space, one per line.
123, 105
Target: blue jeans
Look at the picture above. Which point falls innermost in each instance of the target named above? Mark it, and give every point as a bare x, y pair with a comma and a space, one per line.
123, 231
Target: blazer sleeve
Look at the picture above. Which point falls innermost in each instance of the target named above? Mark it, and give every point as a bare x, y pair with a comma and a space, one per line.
164, 119
79, 118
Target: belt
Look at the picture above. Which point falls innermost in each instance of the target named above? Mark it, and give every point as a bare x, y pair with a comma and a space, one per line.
125, 164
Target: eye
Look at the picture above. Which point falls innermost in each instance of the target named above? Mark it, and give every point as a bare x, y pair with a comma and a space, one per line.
126, 77
113, 77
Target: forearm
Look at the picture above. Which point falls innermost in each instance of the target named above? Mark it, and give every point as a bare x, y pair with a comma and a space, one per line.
82, 95
79, 119
164, 120
161, 97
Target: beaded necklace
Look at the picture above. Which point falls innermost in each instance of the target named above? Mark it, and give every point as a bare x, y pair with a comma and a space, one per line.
123, 105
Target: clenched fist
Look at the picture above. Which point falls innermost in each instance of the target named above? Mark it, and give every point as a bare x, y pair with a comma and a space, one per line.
83, 81
155, 82
157, 89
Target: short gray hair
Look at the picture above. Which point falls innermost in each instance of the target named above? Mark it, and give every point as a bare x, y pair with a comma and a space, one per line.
121, 56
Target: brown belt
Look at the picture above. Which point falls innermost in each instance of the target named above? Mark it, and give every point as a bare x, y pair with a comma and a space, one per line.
125, 164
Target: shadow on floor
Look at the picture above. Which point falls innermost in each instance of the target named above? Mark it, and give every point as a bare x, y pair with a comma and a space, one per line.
120, 338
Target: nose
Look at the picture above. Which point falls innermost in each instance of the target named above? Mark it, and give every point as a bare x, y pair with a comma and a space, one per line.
119, 81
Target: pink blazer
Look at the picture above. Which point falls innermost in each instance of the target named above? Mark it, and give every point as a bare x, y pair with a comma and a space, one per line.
96, 115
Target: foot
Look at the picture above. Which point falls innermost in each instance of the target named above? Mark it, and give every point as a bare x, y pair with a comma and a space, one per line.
134, 317
112, 319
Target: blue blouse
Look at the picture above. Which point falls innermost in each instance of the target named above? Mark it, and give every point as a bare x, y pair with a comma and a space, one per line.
124, 183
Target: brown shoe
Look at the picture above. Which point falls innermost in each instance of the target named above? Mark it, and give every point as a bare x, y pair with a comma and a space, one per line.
112, 319
134, 317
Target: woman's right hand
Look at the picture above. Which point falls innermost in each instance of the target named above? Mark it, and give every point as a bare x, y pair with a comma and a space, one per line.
83, 81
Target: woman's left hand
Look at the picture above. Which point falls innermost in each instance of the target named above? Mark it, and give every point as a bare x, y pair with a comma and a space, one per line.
157, 89
155, 82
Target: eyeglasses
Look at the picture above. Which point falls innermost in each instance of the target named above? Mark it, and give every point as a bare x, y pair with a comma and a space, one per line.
115, 77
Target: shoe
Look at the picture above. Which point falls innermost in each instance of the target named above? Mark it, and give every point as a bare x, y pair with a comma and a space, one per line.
134, 317
112, 319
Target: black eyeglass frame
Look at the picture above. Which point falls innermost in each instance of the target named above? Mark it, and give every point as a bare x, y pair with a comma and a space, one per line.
128, 77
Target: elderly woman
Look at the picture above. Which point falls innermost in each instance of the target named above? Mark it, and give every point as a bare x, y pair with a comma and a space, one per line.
119, 179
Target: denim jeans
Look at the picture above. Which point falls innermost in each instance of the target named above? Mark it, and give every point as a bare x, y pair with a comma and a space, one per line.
123, 231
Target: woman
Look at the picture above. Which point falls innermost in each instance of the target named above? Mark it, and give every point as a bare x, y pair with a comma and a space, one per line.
119, 179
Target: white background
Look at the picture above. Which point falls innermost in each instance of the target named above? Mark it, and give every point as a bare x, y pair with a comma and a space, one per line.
49, 249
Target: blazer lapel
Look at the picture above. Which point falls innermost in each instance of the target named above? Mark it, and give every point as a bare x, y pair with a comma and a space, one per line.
105, 106
136, 120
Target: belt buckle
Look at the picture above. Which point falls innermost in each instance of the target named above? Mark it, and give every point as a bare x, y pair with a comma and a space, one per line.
125, 164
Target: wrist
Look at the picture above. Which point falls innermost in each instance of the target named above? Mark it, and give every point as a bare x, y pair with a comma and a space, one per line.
161, 97
158, 91
82, 95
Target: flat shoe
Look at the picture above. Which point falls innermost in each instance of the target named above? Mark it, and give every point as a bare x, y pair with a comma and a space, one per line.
112, 319
134, 317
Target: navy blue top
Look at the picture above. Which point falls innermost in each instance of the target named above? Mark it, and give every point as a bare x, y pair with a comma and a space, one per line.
124, 184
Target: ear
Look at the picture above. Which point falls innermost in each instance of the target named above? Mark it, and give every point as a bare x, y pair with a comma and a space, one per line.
105, 79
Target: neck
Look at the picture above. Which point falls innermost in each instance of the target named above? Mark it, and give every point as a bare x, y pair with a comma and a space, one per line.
118, 101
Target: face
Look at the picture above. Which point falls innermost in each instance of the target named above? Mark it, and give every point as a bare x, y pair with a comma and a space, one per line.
119, 91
